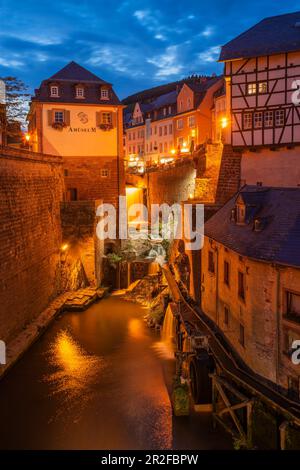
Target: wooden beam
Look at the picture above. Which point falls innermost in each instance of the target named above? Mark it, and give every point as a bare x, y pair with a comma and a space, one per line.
232, 414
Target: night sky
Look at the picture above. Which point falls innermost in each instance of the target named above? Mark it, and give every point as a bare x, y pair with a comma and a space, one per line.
133, 44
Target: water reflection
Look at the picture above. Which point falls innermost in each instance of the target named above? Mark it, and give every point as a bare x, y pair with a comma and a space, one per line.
136, 328
75, 373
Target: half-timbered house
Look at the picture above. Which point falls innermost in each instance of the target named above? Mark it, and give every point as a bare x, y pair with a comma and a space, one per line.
262, 73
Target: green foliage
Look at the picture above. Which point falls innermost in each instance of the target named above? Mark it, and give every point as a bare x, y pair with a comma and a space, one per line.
180, 398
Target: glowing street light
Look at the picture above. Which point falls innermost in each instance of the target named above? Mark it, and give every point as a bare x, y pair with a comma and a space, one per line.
224, 122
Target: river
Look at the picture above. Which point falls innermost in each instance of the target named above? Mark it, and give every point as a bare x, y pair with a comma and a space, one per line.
98, 380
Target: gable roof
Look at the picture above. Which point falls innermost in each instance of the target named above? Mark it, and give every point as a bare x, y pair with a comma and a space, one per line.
67, 78
273, 35
75, 72
279, 239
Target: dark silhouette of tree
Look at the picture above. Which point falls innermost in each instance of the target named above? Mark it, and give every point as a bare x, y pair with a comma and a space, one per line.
15, 105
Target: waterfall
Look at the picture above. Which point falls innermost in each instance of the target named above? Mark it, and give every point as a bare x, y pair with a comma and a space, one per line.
166, 347
168, 329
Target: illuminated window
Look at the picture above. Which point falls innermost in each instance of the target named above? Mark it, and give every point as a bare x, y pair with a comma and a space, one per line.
180, 124
54, 91
59, 116
160, 147
79, 92
262, 87
170, 110
247, 120
258, 120
106, 118
279, 117
191, 121
268, 119
165, 111
251, 88
104, 94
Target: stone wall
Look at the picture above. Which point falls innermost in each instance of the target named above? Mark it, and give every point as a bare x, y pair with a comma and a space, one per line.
171, 184
31, 188
218, 174
83, 254
85, 174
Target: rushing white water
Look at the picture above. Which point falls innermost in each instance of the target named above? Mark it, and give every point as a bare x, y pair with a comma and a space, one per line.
165, 348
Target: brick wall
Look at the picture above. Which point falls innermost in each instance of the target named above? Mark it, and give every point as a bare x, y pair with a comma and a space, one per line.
31, 188
85, 174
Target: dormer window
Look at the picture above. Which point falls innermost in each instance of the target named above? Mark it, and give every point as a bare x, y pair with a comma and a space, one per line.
54, 91
79, 92
104, 94
240, 213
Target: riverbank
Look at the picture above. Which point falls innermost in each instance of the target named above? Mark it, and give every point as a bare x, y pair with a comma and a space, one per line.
69, 301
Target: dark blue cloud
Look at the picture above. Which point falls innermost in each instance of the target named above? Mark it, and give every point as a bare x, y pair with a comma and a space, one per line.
133, 44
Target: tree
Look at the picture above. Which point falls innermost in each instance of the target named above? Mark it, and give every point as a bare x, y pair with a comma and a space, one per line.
16, 104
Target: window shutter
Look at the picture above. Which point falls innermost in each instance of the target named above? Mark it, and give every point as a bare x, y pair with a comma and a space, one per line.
98, 118
67, 117
114, 117
50, 117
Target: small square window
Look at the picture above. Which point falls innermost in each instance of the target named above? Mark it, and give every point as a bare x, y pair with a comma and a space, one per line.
279, 117
106, 118
54, 91
258, 120
104, 173
247, 120
251, 88
59, 117
268, 119
79, 92
104, 94
262, 87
